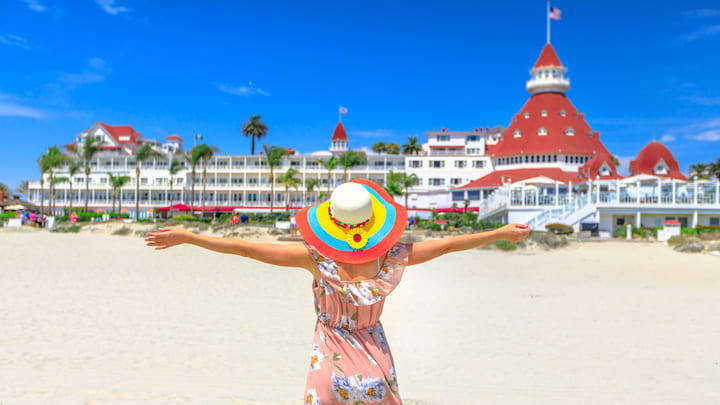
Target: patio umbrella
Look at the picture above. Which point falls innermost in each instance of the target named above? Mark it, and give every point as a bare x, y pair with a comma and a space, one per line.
15, 207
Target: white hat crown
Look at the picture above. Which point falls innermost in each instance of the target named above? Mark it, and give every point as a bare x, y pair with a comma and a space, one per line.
350, 203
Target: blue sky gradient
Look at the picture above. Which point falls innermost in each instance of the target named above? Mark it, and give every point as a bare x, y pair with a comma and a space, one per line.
639, 71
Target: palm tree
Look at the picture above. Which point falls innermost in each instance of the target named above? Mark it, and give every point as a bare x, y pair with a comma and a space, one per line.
322, 195
351, 159
43, 166
254, 128
53, 181
273, 155
203, 153
379, 147
194, 159
714, 169
412, 147
392, 185
616, 161
117, 183
393, 149
143, 154
23, 188
175, 168
290, 179
74, 168
53, 159
310, 185
699, 170
4, 188
400, 183
90, 146
330, 165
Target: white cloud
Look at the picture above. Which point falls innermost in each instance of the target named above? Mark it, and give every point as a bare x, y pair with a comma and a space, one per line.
375, 133
667, 138
243, 91
8, 109
712, 135
96, 72
702, 100
14, 40
111, 7
34, 5
701, 33
704, 12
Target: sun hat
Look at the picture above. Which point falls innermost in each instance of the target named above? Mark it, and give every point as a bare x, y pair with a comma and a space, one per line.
359, 223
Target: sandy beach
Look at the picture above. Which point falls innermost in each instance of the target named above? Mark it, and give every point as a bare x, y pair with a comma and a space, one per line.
99, 319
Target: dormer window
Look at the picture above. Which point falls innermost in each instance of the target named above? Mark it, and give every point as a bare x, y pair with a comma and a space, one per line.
542, 131
661, 168
604, 170
526, 115
563, 113
570, 131
517, 133
543, 113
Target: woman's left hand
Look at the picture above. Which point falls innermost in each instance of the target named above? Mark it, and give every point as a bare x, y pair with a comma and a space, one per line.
514, 232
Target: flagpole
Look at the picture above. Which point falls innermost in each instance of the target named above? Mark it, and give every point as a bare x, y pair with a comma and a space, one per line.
547, 16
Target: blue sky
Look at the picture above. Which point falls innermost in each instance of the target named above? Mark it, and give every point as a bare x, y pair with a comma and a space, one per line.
638, 70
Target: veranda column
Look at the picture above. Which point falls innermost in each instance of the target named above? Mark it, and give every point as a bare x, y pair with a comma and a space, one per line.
597, 196
617, 191
570, 190
695, 184
557, 192
637, 193
537, 195
674, 187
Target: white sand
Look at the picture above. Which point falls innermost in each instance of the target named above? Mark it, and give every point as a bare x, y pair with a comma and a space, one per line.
97, 319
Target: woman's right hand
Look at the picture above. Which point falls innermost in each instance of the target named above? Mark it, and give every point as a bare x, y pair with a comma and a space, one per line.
167, 237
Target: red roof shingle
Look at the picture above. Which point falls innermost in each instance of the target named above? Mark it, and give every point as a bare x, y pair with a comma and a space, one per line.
339, 133
649, 157
548, 57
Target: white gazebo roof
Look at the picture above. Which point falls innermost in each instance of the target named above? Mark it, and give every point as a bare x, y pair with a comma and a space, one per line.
537, 180
641, 178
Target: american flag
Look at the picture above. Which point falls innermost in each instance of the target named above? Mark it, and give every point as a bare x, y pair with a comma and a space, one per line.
198, 137
343, 110
555, 13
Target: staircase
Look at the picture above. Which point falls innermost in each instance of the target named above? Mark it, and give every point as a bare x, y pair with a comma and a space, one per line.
569, 214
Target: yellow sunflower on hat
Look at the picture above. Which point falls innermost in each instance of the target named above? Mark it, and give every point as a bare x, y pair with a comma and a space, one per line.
357, 238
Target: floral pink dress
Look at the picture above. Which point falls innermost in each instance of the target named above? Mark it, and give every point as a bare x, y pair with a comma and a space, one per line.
351, 361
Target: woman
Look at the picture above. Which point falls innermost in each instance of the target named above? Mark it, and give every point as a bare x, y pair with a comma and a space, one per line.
352, 251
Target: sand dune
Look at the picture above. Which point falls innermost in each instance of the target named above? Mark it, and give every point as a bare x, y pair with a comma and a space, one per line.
97, 319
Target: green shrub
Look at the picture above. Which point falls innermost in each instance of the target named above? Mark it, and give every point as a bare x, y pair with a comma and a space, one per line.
190, 218
7, 215
505, 245
676, 240
620, 232
707, 228
67, 229
689, 231
559, 229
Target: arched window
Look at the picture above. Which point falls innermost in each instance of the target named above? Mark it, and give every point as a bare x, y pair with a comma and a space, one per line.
517, 133
526, 115
563, 113
543, 113
542, 131
570, 131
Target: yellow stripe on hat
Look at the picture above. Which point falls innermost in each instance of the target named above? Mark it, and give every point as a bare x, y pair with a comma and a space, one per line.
373, 226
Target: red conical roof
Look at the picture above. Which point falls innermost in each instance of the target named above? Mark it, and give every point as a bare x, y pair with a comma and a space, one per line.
567, 132
548, 57
339, 133
650, 156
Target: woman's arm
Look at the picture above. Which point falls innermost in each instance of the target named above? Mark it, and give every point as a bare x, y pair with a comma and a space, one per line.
430, 249
289, 255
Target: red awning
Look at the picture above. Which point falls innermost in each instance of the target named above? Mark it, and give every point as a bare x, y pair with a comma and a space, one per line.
176, 207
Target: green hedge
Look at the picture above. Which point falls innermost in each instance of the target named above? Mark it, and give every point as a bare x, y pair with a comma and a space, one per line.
7, 215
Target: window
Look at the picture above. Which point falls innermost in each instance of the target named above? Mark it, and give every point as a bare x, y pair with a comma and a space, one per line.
715, 221
415, 163
437, 163
434, 181
103, 180
604, 170
473, 138
460, 164
563, 113
458, 196
661, 168
543, 113
526, 115
517, 133
442, 138
542, 131
143, 180
456, 181
570, 131
473, 195
379, 163
474, 151
478, 164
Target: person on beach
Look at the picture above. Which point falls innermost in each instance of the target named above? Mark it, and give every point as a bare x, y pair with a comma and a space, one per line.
351, 248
